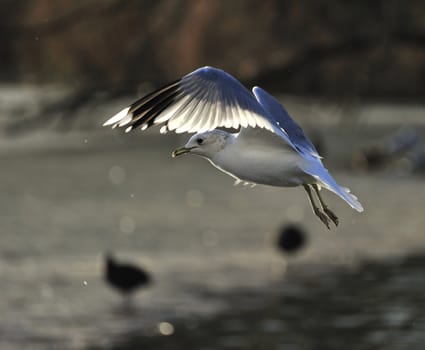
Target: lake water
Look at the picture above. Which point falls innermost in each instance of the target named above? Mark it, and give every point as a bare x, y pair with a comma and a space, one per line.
219, 280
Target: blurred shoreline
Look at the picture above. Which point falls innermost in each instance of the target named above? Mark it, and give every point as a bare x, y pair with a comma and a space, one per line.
82, 128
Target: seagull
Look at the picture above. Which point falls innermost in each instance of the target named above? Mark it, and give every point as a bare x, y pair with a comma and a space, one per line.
270, 148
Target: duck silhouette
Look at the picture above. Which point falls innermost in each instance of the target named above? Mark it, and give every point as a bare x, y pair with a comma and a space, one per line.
125, 277
291, 239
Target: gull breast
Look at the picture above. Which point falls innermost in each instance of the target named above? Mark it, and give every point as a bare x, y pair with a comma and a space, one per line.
262, 165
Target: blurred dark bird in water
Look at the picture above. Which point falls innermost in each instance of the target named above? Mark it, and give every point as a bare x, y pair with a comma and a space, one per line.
125, 277
380, 154
291, 238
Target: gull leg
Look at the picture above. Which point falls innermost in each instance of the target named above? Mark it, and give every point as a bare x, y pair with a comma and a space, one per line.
315, 208
325, 208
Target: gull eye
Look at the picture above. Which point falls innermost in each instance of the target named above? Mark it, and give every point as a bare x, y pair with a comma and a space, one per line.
200, 141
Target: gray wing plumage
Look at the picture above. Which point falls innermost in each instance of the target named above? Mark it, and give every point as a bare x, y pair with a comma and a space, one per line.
202, 100
209, 98
295, 134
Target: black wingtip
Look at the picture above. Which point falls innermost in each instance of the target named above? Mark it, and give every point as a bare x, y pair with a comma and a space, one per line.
145, 110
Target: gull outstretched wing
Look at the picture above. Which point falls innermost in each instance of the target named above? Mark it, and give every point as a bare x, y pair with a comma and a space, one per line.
295, 134
202, 100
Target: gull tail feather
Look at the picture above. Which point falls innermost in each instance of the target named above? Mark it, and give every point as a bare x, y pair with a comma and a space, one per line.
327, 181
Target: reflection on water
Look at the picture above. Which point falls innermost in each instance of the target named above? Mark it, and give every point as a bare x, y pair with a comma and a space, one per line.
375, 306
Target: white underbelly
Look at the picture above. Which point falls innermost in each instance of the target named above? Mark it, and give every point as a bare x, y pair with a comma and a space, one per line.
278, 168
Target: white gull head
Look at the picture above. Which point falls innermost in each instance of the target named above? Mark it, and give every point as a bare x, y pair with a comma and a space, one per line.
206, 144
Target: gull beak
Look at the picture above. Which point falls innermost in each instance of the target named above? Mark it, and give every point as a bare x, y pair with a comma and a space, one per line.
180, 151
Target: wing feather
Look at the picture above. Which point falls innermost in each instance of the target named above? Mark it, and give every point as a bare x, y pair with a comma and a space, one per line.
202, 100
282, 118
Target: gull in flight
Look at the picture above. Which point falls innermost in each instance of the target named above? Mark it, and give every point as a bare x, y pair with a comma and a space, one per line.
270, 148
